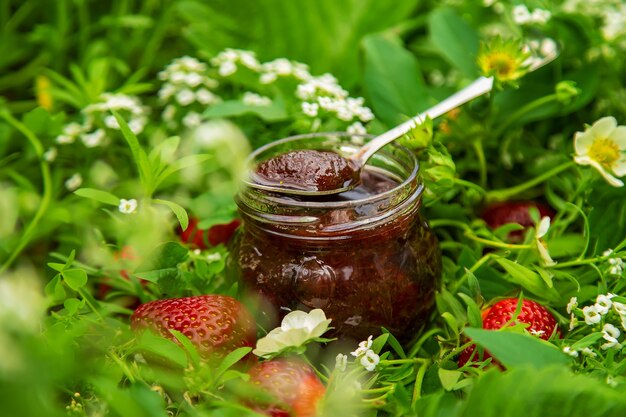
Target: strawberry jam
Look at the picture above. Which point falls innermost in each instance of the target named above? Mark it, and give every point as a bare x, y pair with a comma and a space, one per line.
366, 257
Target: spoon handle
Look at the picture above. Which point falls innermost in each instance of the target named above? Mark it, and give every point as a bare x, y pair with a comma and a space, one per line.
479, 87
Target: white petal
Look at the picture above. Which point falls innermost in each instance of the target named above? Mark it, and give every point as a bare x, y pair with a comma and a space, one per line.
619, 136
619, 167
545, 255
294, 320
543, 226
608, 177
603, 128
582, 160
582, 142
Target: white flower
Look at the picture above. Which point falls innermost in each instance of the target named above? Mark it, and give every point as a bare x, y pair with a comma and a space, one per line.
617, 266
111, 122
537, 332
192, 119
619, 308
227, 68
521, 14
603, 304
51, 154
542, 229
589, 352
573, 322
369, 360
185, 97
127, 206
540, 16
603, 146
213, 257
573, 353
356, 128
193, 79
310, 109
267, 78
623, 322
296, 329
93, 139
72, 129
253, 99
548, 47
364, 346
573, 303
610, 333
65, 139
73, 182
591, 315
204, 96
341, 362
614, 22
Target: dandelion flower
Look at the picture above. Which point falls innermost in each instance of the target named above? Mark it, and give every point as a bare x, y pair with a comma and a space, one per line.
603, 146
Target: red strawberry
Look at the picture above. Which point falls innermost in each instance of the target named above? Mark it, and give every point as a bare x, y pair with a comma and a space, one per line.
540, 322
215, 324
499, 214
216, 234
293, 383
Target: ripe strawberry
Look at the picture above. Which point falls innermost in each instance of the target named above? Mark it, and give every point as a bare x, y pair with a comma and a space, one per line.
499, 214
293, 383
216, 234
215, 324
541, 322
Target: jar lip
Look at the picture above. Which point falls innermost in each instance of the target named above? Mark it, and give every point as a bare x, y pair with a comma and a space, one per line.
286, 201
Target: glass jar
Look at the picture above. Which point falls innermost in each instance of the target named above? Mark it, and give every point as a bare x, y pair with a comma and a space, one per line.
366, 257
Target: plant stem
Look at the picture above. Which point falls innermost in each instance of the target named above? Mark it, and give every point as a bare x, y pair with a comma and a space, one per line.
482, 162
47, 188
419, 379
506, 193
522, 111
469, 233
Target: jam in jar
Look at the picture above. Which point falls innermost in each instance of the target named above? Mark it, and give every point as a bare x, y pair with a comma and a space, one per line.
366, 256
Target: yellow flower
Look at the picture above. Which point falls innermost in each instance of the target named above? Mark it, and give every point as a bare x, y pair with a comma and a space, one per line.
503, 59
603, 146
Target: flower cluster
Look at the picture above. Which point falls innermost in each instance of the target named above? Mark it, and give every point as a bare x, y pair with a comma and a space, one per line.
186, 91
296, 330
523, 16
607, 312
282, 67
229, 60
98, 122
616, 264
611, 12
365, 355
603, 146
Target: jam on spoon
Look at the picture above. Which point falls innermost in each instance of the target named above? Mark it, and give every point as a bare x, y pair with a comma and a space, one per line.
308, 170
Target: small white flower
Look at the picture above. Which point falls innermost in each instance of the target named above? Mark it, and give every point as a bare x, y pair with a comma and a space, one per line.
541, 16
610, 381
178, 77
136, 125
185, 97
591, 315
356, 128
213, 257
72, 129
521, 14
542, 247
607, 252
93, 139
537, 332
573, 322
548, 47
369, 360
253, 99
127, 206
73, 182
589, 352
65, 139
341, 362
310, 109
227, 68
603, 304
603, 146
192, 119
619, 308
617, 266
267, 78
51, 154
610, 333
364, 346
193, 79
623, 321
197, 251
111, 122
204, 96
573, 303
573, 353
167, 91
297, 328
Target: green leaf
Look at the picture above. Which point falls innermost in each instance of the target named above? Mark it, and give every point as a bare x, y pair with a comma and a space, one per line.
231, 108
189, 347
56, 266
54, 289
473, 311
75, 278
98, 195
528, 279
139, 155
449, 378
72, 305
587, 341
164, 348
515, 349
181, 213
457, 41
393, 80
607, 219
231, 359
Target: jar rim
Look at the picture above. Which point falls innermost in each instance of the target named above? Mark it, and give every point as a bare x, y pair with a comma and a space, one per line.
283, 199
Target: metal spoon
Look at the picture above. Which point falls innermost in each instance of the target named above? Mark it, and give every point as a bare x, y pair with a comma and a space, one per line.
358, 160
